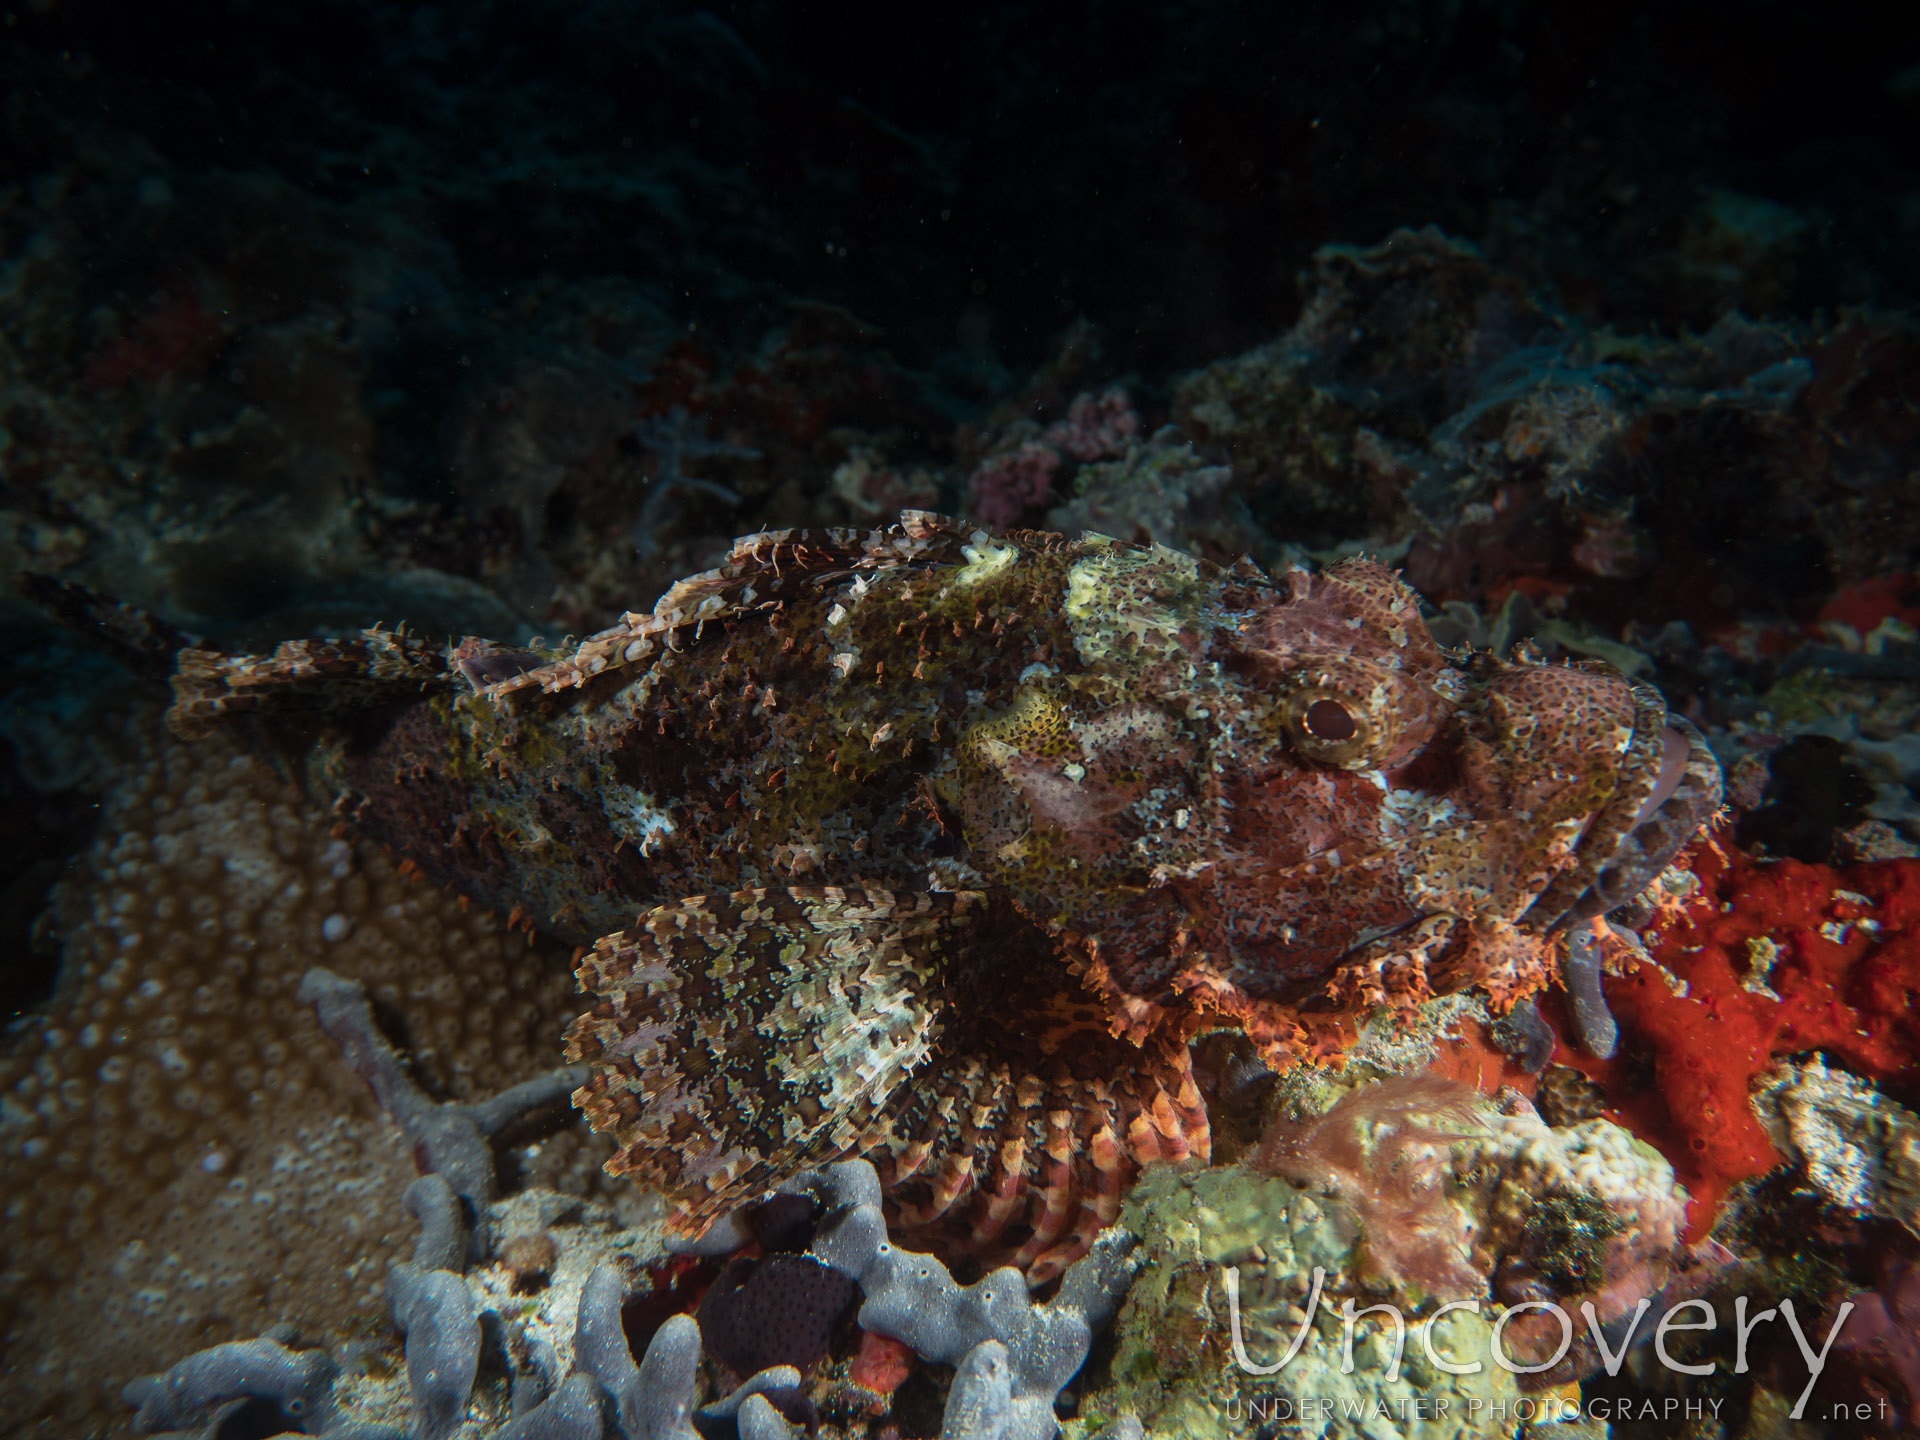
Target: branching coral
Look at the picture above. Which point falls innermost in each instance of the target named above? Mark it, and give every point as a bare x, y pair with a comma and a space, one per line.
434, 1310
1881, 1339
654, 1398
297, 1382
648, 1401
1002, 1343
575, 1411
1011, 1356
448, 1139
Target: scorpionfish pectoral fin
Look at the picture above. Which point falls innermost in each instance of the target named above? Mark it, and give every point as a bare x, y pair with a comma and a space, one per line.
742, 1038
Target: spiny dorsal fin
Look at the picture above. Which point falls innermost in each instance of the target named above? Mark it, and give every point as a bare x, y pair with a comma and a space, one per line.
302, 675
760, 570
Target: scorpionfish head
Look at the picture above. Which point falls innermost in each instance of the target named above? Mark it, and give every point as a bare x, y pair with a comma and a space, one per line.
1299, 806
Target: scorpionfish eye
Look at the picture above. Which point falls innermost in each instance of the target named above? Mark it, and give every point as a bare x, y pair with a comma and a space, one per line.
1329, 720
1351, 713
1331, 727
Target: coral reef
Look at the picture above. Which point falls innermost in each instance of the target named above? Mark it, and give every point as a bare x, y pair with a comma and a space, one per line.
1008, 486
1391, 342
1429, 403
1174, 1364
873, 490
1857, 1147
546, 418
1012, 861
1565, 1096
1382, 1150
673, 440
1162, 491
1586, 1213
186, 1159
1026, 464
1011, 1357
1380, 1204
651, 1400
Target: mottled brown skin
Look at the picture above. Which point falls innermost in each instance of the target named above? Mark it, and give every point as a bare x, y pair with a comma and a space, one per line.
1186, 798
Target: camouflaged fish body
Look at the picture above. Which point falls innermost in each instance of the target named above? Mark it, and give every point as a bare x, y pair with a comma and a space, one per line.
944, 845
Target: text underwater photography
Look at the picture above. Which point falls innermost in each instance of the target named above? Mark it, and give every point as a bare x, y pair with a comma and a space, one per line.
1275, 1408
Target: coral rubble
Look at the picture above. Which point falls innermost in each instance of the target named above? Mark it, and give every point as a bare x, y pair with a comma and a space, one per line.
1857, 1147
1580, 1215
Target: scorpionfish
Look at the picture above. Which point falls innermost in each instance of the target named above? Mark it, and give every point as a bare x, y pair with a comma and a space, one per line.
944, 846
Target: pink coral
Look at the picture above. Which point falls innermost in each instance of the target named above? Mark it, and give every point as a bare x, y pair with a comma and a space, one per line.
1008, 485
1881, 1338
1096, 429
1383, 1150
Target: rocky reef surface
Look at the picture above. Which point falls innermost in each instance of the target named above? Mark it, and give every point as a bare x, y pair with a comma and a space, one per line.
496, 322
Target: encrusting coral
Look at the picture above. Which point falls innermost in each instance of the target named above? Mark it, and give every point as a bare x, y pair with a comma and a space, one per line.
1382, 1149
1759, 961
1174, 1363
1858, 1148
1417, 1196
187, 1160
